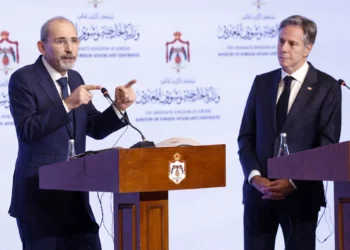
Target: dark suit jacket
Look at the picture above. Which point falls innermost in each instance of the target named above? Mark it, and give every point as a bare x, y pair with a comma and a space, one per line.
313, 121
40, 120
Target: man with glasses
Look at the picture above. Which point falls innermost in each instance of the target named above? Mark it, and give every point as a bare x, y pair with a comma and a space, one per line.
50, 104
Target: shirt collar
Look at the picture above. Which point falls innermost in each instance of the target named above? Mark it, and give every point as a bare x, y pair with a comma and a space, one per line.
298, 75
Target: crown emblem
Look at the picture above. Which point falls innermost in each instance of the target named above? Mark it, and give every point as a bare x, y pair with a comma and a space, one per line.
95, 2
258, 3
177, 157
177, 35
4, 35
8, 52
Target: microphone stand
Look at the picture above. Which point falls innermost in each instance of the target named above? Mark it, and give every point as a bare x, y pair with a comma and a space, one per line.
142, 144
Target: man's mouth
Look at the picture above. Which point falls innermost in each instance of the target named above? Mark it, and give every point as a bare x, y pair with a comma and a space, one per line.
70, 58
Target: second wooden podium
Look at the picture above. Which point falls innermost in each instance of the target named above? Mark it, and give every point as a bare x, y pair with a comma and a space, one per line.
327, 163
140, 179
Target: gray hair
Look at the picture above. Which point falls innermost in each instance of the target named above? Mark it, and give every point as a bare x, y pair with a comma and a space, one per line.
45, 29
309, 27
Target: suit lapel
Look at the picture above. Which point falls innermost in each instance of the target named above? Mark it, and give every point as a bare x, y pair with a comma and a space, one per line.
273, 98
49, 87
303, 96
46, 82
72, 82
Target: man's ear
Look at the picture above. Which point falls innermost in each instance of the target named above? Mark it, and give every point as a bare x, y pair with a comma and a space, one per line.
308, 49
41, 47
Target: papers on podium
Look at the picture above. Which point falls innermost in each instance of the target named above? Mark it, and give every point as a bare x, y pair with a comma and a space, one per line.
177, 142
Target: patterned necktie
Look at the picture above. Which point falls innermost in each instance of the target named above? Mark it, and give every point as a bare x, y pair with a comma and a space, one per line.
282, 105
63, 82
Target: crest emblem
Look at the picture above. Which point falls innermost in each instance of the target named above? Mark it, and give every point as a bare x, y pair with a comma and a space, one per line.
177, 169
95, 2
8, 53
178, 52
258, 3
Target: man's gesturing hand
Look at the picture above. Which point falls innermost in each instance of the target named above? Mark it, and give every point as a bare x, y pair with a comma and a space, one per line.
80, 95
125, 95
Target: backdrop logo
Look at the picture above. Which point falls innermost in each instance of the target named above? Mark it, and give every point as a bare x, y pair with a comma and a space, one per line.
178, 52
8, 53
95, 2
258, 3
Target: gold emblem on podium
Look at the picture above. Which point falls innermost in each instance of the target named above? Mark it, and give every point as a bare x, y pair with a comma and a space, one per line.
177, 169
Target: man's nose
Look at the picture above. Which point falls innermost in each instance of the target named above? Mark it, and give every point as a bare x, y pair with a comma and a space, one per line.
284, 47
68, 47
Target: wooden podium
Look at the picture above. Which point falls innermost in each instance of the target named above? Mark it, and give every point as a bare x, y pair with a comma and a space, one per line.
139, 179
328, 163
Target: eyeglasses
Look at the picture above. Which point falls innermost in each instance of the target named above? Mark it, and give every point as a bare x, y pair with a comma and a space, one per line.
65, 41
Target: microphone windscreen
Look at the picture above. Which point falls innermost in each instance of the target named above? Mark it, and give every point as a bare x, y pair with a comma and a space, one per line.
104, 91
341, 82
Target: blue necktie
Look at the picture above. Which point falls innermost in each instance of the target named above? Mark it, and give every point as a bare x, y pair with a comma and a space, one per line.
63, 82
282, 105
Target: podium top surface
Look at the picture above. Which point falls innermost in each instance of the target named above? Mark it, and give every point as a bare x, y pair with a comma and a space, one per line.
331, 162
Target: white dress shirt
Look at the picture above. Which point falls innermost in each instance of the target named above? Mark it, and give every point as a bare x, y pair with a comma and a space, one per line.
55, 76
299, 77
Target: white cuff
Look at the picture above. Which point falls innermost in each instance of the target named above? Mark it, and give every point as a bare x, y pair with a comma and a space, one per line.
120, 116
252, 174
291, 182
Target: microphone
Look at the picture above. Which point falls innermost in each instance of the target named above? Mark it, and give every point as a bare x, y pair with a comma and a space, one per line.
342, 83
144, 143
